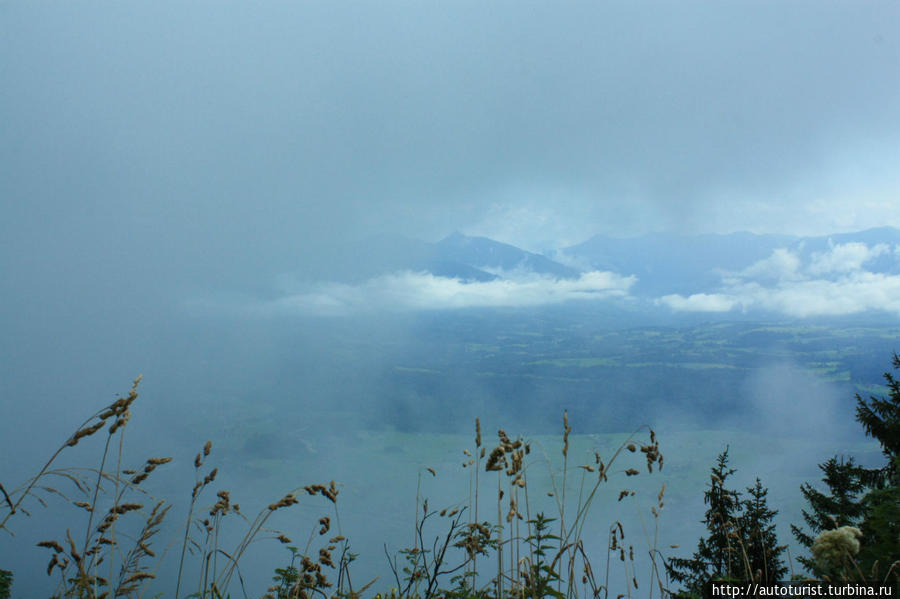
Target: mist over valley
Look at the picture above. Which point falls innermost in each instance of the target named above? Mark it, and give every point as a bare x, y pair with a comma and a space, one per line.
334, 237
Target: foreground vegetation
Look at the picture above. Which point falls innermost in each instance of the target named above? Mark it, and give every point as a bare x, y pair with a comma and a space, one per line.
492, 545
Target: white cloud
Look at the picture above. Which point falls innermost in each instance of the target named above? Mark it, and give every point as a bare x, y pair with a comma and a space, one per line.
849, 295
832, 283
699, 302
844, 258
782, 265
425, 291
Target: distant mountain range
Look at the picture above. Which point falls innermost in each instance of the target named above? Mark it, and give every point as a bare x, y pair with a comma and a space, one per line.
458, 256
666, 263
491, 256
662, 263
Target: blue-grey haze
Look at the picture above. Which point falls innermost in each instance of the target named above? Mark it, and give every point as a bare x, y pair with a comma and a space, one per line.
321, 228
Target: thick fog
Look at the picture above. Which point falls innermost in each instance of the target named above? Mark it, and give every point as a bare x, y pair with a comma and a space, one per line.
245, 202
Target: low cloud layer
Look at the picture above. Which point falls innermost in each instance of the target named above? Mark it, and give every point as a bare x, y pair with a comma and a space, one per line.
830, 283
843, 279
425, 291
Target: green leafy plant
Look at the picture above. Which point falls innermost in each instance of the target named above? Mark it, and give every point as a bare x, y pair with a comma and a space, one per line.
6, 580
541, 575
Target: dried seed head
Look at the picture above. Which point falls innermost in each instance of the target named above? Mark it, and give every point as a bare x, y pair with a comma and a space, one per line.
72, 551
566, 430
504, 438
86, 432
52, 545
138, 576
126, 507
207, 448
325, 558
496, 461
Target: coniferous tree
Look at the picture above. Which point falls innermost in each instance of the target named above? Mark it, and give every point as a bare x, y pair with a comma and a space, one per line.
760, 541
6, 578
718, 556
881, 524
880, 416
881, 530
877, 513
839, 507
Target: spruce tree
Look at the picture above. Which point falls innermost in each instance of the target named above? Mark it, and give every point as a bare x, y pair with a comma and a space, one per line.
880, 416
758, 532
877, 513
718, 556
840, 506
881, 524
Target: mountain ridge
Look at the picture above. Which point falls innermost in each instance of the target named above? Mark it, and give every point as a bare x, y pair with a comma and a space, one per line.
662, 263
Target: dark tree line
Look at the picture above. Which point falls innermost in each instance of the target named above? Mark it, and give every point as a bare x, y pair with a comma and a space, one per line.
741, 542
741, 537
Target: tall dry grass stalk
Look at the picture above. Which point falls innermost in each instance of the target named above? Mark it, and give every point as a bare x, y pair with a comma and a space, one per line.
115, 555
118, 412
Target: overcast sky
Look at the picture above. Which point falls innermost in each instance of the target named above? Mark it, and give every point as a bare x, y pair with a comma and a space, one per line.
159, 151
228, 137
